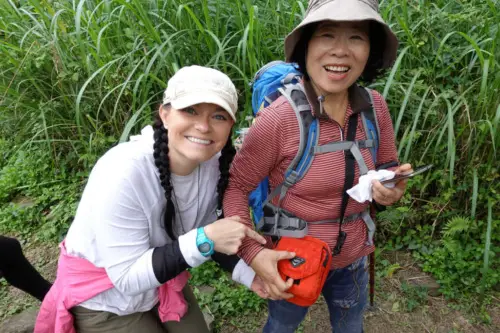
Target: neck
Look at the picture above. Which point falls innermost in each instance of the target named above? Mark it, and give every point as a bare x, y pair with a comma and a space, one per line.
180, 167
334, 104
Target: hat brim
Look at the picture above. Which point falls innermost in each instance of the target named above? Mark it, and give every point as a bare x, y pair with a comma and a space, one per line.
344, 11
202, 97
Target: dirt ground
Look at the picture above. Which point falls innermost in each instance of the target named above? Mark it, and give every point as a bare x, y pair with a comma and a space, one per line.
390, 313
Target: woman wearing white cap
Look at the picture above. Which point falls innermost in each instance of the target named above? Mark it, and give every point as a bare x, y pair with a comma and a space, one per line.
338, 43
150, 210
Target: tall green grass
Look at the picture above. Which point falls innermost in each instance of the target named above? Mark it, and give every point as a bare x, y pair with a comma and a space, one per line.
76, 73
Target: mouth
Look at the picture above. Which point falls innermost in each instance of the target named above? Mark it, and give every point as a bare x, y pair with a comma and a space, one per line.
337, 69
199, 141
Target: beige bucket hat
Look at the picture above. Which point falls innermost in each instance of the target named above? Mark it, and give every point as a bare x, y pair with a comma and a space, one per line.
344, 10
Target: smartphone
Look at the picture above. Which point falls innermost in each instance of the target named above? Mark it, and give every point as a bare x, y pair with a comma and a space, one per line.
408, 175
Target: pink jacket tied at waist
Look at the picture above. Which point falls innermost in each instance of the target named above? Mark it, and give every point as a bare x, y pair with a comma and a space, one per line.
78, 280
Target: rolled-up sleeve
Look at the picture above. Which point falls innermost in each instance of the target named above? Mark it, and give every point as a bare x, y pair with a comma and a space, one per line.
255, 160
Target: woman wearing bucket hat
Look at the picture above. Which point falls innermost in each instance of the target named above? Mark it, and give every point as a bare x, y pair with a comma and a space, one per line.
338, 43
150, 210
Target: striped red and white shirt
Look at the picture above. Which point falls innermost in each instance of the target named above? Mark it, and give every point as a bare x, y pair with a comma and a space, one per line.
269, 148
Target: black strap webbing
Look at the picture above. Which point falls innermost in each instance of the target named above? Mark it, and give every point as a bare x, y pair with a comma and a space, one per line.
349, 180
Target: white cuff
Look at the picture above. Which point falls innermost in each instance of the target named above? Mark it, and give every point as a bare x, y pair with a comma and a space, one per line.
243, 274
189, 250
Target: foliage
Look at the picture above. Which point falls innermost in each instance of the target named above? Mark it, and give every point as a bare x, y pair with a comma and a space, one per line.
77, 77
227, 299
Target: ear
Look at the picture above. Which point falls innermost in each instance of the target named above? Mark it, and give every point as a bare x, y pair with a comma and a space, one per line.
164, 111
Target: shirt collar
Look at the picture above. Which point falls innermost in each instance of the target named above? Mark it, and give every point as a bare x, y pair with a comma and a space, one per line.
358, 99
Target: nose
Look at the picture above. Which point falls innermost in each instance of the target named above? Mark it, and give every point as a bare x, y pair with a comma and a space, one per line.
203, 124
339, 47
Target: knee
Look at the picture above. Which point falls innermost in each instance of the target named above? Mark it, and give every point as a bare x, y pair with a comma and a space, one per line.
10, 246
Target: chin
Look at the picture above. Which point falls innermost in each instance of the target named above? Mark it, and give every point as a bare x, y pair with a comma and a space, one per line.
200, 158
335, 88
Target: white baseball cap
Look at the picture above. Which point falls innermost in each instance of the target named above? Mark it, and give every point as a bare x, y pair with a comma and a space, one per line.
196, 84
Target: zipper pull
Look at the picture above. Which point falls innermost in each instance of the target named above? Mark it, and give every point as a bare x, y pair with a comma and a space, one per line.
321, 99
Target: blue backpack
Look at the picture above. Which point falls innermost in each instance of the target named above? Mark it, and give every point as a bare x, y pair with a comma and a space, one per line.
277, 79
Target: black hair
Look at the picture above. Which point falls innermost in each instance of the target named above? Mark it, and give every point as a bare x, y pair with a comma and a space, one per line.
162, 162
375, 64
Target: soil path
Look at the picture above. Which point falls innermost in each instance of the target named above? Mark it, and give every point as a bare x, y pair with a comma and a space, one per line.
390, 313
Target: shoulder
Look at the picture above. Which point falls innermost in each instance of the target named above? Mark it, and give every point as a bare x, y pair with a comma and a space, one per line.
379, 102
278, 114
132, 160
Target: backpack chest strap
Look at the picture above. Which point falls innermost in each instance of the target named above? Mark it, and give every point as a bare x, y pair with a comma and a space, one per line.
352, 146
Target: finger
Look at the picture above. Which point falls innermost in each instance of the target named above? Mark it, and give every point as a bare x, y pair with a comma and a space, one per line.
274, 293
253, 234
281, 287
379, 197
282, 255
289, 283
234, 218
279, 294
403, 169
401, 185
378, 187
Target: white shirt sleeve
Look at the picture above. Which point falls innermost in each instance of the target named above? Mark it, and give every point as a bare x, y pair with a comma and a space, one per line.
189, 250
243, 274
122, 235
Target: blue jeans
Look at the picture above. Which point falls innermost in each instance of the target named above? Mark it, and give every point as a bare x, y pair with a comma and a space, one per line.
346, 294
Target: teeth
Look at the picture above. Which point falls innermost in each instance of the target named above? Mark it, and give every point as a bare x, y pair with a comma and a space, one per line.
337, 68
196, 140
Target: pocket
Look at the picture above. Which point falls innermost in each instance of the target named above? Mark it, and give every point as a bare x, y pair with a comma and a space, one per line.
359, 263
347, 287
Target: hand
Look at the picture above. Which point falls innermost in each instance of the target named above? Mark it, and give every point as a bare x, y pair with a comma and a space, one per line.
265, 265
227, 234
258, 286
388, 196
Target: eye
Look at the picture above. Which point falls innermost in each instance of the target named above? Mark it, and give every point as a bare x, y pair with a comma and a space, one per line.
357, 37
220, 117
189, 110
327, 35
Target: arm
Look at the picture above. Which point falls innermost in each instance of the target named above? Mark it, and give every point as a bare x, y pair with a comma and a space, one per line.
171, 259
240, 271
256, 159
387, 155
122, 237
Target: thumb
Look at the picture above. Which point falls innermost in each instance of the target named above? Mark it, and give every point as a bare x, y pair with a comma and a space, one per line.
282, 255
233, 218
403, 169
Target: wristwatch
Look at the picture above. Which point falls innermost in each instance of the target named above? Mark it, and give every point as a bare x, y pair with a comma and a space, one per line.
205, 245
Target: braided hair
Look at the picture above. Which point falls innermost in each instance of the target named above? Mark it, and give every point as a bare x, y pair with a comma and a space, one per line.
162, 162
225, 160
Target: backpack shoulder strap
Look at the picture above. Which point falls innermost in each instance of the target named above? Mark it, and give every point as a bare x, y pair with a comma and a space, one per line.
309, 135
371, 126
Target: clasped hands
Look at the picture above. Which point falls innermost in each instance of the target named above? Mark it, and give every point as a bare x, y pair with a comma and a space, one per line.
268, 282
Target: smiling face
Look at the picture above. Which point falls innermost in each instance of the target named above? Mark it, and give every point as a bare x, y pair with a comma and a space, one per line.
195, 134
337, 54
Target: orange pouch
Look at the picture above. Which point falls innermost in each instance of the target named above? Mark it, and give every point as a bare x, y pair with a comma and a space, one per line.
308, 269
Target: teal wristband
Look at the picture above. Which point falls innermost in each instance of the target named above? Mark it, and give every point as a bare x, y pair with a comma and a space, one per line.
204, 244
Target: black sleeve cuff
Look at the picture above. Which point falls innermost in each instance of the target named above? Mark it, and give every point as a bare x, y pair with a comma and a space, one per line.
225, 261
168, 262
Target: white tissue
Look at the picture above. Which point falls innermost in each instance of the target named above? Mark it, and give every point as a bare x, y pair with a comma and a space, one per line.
363, 190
